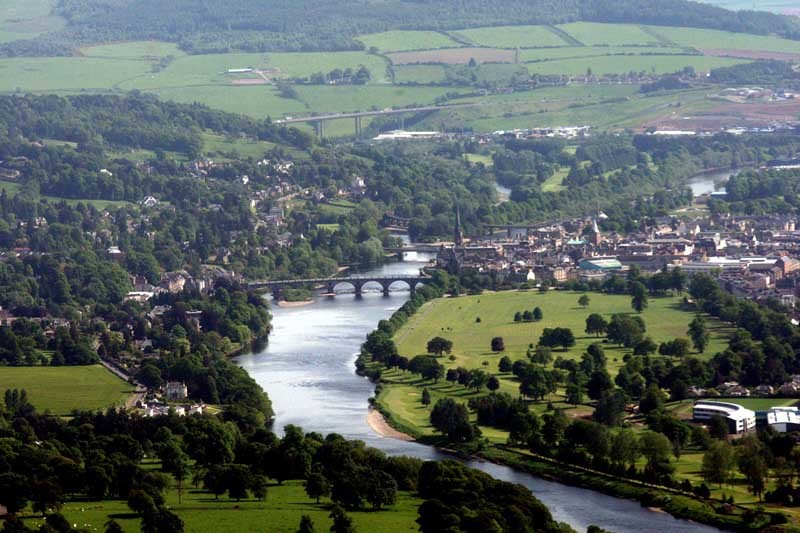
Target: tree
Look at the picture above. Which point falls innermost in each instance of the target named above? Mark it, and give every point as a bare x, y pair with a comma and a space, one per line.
718, 462
317, 486
553, 337
238, 480
477, 379
596, 324
718, 427
542, 355
583, 301
698, 332
656, 449
381, 490
452, 419
258, 486
14, 492
341, 522
517, 317
426, 396
505, 364
439, 345
537, 313
599, 382
638, 296
493, 384
498, 345
574, 389
645, 346
652, 400
752, 464
112, 526
611, 407
306, 525
675, 348
625, 449
625, 330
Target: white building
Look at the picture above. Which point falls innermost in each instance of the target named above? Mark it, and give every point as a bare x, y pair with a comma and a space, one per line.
782, 419
739, 419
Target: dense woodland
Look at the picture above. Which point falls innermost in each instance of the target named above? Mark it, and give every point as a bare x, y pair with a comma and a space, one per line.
249, 25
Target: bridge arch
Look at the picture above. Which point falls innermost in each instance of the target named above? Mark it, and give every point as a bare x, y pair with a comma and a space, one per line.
345, 284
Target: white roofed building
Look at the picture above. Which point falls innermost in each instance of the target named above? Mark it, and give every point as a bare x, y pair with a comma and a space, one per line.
739, 419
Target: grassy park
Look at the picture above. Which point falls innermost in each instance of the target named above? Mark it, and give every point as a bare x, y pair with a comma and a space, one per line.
279, 512
61, 389
455, 319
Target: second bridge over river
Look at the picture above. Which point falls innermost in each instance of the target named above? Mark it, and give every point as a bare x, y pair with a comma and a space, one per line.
357, 283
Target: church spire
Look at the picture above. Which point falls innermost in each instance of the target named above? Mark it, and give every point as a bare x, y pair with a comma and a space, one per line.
458, 235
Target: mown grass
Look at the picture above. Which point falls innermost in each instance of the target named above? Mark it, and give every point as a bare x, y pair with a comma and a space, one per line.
622, 64
700, 38
134, 50
61, 389
455, 319
549, 54
280, 512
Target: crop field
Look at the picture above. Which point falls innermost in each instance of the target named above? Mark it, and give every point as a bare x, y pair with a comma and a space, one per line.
593, 33
512, 37
366, 97
453, 56
25, 19
254, 101
400, 41
280, 512
60, 389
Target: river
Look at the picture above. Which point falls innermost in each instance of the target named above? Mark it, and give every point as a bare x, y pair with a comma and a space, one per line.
707, 182
308, 371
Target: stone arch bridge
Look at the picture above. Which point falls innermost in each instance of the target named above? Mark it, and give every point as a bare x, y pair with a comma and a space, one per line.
329, 285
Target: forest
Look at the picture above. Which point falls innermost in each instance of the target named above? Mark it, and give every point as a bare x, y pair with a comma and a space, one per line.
210, 26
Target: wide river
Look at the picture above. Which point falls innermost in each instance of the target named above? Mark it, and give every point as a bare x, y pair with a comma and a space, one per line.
307, 370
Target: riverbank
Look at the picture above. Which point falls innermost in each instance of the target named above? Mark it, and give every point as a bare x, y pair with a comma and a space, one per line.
380, 426
302, 303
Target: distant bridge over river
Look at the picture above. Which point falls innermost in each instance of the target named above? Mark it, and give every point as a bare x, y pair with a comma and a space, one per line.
358, 283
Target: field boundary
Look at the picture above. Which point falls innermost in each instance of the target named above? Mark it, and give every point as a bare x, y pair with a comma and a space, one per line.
569, 39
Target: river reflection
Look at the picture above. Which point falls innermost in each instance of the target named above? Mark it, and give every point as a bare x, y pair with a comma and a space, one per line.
307, 369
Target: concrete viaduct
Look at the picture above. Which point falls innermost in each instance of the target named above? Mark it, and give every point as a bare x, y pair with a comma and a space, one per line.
319, 120
329, 285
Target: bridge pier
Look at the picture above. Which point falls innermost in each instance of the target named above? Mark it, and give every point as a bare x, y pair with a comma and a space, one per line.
277, 290
318, 125
358, 127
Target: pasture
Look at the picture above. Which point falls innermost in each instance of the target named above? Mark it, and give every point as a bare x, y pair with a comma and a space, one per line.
512, 37
61, 389
594, 33
142, 50
400, 41
714, 39
568, 52
622, 64
453, 56
27, 19
419, 74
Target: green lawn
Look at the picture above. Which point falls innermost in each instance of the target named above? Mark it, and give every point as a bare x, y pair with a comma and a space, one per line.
219, 144
554, 182
134, 50
759, 404
512, 37
419, 74
64, 388
593, 33
280, 512
399, 41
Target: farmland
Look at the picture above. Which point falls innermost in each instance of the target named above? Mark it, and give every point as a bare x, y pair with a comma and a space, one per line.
398, 41
513, 37
60, 389
435, 63
25, 20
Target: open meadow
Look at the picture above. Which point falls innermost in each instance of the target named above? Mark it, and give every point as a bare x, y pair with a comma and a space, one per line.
61, 389
399, 40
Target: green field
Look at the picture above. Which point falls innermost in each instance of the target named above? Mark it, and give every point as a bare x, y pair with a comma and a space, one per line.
593, 33
776, 6
280, 512
419, 74
567, 52
399, 41
512, 37
699, 38
618, 64
60, 389
26, 19
134, 50
454, 318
